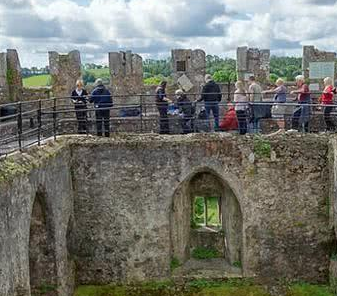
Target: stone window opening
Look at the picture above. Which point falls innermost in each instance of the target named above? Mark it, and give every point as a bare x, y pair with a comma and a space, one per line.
181, 66
213, 232
206, 213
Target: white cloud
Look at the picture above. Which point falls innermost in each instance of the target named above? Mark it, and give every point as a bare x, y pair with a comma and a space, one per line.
153, 27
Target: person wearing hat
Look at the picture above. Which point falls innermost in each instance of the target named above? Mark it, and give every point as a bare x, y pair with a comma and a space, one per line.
101, 97
211, 95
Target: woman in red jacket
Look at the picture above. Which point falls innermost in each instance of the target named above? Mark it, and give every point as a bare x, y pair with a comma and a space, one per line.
327, 100
230, 121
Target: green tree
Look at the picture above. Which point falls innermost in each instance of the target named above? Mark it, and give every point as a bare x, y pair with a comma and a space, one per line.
88, 77
224, 76
286, 67
273, 77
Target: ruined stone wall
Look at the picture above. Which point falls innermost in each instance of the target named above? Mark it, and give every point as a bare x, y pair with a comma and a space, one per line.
20, 181
189, 69
11, 87
124, 190
253, 61
317, 65
283, 200
65, 69
14, 77
36, 93
126, 70
4, 92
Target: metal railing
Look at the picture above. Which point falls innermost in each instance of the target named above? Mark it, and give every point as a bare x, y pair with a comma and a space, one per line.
30, 123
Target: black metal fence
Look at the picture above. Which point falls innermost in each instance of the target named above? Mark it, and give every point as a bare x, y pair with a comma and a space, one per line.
23, 124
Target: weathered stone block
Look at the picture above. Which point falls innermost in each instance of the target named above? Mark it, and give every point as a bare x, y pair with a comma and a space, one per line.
185, 83
189, 63
313, 57
126, 70
65, 69
252, 61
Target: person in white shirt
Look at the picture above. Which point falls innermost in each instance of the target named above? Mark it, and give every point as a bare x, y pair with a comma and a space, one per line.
255, 96
241, 105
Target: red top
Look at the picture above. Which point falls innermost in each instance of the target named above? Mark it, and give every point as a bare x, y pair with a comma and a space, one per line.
229, 122
327, 96
304, 92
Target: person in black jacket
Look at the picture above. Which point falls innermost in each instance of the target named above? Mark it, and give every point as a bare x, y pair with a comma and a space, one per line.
162, 103
186, 111
101, 97
211, 95
79, 98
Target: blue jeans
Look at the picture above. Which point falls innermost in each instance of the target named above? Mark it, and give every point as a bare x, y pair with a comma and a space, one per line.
255, 126
214, 107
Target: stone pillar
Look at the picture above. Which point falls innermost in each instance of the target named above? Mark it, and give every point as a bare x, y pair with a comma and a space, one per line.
65, 69
126, 71
253, 62
11, 88
3, 78
189, 69
317, 65
14, 77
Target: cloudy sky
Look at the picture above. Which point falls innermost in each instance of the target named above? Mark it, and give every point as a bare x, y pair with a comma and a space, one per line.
152, 27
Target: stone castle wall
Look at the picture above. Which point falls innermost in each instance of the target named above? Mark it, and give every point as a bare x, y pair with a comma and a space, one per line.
189, 69
253, 61
111, 207
126, 70
49, 173
313, 55
65, 69
11, 88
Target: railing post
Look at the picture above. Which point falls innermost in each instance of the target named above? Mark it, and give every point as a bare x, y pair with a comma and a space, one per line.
54, 118
87, 112
20, 125
141, 113
228, 92
39, 120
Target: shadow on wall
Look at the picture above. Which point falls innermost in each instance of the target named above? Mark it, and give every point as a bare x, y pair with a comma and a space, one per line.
205, 183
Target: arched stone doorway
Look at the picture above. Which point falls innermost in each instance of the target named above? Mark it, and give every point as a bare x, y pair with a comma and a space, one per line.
225, 237
42, 265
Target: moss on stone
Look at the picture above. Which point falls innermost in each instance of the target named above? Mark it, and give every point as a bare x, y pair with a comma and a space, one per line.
200, 288
262, 147
22, 164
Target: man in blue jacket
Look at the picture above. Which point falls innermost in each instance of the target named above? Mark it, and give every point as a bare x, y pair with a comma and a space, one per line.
101, 97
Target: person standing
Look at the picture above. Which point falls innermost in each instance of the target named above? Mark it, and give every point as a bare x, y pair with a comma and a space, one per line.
280, 97
186, 111
79, 98
241, 105
162, 103
327, 100
255, 96
211, 95
101, 97
301, 116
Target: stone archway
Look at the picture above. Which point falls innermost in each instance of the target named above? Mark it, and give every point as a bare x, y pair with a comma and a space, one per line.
206, 183
42, 265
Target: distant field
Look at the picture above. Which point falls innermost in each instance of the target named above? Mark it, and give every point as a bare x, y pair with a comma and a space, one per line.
44, 80
100, 72
35, 81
